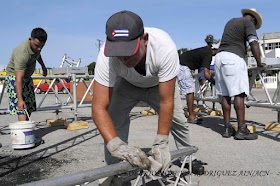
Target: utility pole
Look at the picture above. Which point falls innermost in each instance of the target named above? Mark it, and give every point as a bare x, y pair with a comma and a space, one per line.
99, 44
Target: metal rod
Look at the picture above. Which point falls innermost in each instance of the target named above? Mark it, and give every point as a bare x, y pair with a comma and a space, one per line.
211, 99
42, 100
88, 89
190, 169
262, 104
102, 172
252, 80
3, 90
55, 92
75, 97
265, 89
275, 96
38, 85
68, 100
66, 88
181, 169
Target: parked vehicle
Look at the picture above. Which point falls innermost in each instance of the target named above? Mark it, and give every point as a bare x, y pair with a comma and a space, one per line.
44, 87
36, 81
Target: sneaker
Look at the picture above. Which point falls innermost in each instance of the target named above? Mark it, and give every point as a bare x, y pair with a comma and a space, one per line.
229, 131
197, 167
245, 134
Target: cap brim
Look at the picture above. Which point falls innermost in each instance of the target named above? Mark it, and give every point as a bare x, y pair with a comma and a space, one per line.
121, 48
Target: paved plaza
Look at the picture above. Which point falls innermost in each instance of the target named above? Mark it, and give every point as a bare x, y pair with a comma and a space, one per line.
230, 162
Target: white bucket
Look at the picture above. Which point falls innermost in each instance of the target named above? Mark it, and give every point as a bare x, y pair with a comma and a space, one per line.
22, 134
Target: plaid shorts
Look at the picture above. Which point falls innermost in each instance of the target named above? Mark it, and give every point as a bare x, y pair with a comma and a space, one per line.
27, 94
185, 80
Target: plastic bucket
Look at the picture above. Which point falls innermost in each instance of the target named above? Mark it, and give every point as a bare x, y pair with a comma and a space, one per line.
22, 134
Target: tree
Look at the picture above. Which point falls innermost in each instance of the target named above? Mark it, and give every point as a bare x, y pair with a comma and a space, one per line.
216, 41
91, 68
180, 51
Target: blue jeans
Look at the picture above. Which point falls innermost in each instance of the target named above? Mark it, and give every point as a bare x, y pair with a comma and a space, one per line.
126, 96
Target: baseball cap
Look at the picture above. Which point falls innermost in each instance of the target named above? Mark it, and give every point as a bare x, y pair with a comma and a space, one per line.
123, 30
209, 38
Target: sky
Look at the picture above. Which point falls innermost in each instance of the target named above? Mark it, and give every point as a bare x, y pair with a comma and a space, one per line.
75, 26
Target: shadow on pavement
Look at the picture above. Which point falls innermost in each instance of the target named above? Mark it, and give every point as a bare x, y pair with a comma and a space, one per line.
11, 164
216, 124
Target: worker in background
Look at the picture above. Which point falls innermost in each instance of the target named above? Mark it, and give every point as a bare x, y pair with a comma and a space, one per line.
190, 61
19, 84
231, 69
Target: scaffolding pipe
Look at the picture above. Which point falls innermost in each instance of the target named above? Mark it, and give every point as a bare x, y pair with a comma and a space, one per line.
102, 172
75, 97
88, 90
262, 104
2, 92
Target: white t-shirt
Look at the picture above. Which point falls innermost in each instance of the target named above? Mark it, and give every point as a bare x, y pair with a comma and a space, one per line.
213, 61
162, 63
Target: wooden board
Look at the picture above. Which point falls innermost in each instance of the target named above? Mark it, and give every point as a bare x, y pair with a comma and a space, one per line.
76, 125
149, 112
272, 126
215, 112
56, 122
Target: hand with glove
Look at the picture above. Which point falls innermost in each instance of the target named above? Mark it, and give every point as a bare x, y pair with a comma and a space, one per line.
123, 151
160, 153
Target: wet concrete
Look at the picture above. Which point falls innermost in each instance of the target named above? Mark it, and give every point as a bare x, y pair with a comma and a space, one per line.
24, 169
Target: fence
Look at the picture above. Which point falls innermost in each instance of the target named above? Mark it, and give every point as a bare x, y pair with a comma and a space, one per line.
269, 81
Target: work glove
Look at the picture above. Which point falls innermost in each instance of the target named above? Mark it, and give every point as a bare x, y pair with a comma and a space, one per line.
123, 151
160, 153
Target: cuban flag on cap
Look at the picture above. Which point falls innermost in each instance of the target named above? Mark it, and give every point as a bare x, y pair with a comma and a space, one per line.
120, 33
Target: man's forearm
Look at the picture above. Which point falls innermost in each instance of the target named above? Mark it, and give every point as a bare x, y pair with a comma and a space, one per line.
104, 124
165, 118
19, 88
41, 62
255, 48
166, 105
207, 74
